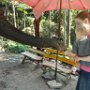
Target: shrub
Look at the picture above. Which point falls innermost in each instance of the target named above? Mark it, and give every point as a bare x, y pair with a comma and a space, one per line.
15, 47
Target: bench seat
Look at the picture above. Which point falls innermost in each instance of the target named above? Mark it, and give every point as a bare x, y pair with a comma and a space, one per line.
31, 56
60, 68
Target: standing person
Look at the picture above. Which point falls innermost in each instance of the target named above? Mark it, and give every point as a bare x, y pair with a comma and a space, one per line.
81, 53
83, 18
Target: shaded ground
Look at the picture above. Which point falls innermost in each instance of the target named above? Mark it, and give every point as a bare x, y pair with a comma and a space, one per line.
15, 76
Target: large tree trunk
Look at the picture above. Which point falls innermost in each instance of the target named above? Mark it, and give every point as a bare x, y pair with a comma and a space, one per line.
9, 31
36, 26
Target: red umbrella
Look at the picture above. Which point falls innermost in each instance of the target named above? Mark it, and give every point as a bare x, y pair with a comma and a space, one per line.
40, 6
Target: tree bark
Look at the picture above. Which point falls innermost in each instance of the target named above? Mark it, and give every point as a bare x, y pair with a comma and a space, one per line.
36, 26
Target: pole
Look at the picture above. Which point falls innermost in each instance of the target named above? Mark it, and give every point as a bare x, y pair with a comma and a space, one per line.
56, 66
59, 20
59, 34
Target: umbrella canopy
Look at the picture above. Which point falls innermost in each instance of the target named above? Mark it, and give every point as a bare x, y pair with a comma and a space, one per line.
40, 6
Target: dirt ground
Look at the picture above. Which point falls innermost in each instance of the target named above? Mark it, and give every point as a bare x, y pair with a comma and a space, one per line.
15, 76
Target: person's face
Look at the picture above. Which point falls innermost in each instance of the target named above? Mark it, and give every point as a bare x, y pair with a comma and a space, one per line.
85, 22
78, 22
78, 35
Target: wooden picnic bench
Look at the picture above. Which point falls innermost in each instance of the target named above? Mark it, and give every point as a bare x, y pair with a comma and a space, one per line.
50, 54
47, 62
60, 68
31, 56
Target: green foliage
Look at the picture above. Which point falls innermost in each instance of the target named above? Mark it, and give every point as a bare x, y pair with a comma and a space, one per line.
29, 21
53, 15
4, 1
22, 8
73, 37
45, 26
15, 47
49, 28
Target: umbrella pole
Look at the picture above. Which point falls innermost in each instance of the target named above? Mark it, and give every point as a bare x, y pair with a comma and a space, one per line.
59, 20
56, 66
59, 35
55, 83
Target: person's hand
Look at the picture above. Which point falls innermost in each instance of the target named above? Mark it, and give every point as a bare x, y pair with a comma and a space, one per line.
66, 53
70, 54
77, 59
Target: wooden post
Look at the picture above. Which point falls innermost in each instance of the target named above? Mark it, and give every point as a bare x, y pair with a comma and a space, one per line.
2, 14
36, 26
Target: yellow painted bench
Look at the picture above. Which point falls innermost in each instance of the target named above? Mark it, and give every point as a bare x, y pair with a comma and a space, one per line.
51, 53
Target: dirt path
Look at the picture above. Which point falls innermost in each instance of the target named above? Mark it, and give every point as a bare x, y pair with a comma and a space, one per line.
15, 76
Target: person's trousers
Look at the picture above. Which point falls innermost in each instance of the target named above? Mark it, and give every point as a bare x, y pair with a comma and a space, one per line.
83, 81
